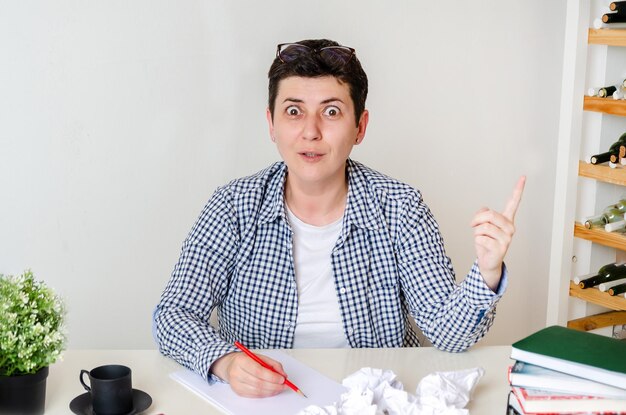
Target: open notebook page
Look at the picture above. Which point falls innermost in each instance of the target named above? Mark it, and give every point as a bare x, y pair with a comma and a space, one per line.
320, 390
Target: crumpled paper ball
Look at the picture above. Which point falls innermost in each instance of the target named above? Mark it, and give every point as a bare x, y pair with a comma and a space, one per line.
378, 392
448, 389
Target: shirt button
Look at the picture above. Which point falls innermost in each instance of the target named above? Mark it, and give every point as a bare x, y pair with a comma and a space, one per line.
350, 330
342, 290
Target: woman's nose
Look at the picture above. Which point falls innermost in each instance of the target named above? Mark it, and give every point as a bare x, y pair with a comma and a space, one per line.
311, 129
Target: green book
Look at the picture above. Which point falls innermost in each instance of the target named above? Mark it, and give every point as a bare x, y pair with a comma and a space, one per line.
586, 355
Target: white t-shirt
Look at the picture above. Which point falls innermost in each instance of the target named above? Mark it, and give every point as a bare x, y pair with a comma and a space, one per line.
319, 322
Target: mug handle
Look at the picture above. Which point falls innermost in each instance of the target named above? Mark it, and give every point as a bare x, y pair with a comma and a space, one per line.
82, 372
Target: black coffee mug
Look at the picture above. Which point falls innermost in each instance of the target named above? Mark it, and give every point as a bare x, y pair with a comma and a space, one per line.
111, 389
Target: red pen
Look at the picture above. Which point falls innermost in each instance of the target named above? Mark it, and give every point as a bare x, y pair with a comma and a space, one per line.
265, 365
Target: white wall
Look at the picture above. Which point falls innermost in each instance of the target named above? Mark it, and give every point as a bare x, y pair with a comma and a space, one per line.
118, 119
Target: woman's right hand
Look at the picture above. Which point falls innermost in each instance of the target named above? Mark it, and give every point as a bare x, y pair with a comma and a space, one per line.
247, 378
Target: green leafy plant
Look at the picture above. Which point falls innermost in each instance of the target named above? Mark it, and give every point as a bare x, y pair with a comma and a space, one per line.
31, 325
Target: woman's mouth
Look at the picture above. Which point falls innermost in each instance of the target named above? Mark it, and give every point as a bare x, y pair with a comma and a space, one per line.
310, 155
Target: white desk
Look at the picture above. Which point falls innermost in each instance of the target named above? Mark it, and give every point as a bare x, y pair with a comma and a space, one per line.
151, 370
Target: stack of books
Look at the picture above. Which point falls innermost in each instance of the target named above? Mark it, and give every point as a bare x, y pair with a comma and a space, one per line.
564, 371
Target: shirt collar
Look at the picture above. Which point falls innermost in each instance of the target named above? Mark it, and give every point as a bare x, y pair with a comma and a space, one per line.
273, 205
361, 209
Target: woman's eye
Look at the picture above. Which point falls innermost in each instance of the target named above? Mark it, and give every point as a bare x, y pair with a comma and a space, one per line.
331, 111
293, 111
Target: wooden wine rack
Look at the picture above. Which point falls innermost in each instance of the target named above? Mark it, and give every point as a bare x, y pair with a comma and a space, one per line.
603, 173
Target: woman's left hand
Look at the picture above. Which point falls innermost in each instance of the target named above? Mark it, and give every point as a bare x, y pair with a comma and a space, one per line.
493, 233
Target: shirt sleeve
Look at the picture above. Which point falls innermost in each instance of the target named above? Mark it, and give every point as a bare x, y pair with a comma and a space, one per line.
452, 316
198, 283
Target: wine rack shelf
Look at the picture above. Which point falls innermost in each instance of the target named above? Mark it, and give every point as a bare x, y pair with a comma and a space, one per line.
596, 321
602, 173
605, 105
610, 37
593, 295
600, 236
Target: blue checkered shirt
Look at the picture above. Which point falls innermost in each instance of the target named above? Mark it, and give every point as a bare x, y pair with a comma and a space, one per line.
389, 264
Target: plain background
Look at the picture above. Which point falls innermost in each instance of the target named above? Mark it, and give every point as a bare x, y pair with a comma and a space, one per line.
119, 119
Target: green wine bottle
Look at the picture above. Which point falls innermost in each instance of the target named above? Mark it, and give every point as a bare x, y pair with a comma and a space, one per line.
621, 205
606, 285
597, 221
618, 6
621, 152
606, 91
618, 289
578, 279
612, 155
611, 214
612, 227
613, 18
609, 272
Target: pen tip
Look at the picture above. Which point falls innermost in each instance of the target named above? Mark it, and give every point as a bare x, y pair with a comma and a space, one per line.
302, 393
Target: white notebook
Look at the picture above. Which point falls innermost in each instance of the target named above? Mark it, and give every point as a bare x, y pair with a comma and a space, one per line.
320, 390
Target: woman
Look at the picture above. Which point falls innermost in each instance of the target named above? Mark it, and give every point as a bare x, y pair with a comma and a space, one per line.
319, 250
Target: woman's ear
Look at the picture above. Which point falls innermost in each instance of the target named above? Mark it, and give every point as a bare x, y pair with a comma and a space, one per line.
270, 123
362, 126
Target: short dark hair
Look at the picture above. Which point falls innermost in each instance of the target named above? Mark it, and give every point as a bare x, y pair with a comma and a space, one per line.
312, 65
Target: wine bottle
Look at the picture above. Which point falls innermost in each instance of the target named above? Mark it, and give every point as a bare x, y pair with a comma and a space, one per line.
610, 214
613, 18
613, 154
609, 272
606, 91
606, 156
601, 158
578, 279
597, 221
613, 214
606, 285
618, 289
621, 205
615, 219
618, 6
621, 152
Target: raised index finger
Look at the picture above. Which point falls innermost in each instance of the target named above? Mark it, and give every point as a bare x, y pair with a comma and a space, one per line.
511, 206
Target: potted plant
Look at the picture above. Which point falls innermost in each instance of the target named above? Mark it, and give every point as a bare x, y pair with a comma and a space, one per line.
31, 339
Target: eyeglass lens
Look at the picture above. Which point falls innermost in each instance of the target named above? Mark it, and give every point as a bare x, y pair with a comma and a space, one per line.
336, 55
332, 55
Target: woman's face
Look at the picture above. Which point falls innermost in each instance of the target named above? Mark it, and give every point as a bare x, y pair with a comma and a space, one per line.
314, 129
